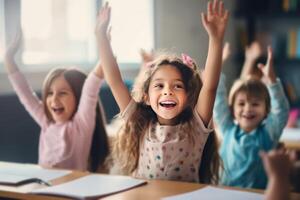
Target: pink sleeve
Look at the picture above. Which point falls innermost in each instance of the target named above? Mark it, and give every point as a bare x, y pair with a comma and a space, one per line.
28, 98
86, 112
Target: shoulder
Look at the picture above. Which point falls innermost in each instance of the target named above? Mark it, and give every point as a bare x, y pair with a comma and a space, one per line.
197, 122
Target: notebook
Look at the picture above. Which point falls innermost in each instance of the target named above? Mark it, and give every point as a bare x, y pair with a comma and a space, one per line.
15, 174
91, 186
16, 180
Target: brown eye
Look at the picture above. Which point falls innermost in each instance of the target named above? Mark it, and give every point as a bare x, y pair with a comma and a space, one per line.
50, 93
158, 85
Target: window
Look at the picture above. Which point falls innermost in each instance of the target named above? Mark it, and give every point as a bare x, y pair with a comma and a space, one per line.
58, 31
132, 28
62, 31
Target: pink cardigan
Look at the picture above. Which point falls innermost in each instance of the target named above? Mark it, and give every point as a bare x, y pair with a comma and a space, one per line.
62, 145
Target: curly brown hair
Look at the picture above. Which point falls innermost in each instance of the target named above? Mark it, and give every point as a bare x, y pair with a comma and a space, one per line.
126, 146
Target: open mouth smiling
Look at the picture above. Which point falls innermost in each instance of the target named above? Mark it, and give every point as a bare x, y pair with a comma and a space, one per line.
168, 104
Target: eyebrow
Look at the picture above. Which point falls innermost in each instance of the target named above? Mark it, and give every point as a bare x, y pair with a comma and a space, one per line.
61, 89
161, 79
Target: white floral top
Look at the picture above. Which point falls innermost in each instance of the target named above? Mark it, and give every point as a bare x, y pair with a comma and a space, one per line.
166, 152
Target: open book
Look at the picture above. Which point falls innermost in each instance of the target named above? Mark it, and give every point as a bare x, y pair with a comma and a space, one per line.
16, 180
14, 174
91, 186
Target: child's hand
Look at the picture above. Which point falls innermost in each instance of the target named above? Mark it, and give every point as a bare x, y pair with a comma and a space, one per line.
226, 52
268, 69
103, 20
9, 61
147, 57
14, 46
215, 20
277, 164
253, 51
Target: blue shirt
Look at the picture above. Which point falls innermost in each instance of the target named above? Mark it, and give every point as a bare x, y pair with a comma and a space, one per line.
239, 150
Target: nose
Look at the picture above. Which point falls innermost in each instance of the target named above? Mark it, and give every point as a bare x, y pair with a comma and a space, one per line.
54, 97
247, 107
167, 91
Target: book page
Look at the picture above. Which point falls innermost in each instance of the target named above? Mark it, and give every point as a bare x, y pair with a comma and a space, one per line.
30, 170
214, 193
91, 186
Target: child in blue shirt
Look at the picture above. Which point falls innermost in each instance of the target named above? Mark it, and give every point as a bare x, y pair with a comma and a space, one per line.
252, 119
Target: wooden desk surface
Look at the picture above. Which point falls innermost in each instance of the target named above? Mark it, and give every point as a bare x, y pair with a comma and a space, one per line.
154, 189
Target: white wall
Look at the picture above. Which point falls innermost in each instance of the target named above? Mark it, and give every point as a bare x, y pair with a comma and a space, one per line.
177, 28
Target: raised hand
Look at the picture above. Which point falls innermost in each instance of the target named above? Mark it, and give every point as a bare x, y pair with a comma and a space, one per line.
215, 20
10, 53
268, 69
14, 46
147, 57
253, 51
103, 20
277, 163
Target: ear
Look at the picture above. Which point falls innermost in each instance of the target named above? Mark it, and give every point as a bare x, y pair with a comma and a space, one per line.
146, 99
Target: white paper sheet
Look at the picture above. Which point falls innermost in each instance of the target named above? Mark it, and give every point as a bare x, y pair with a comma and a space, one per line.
214, 193
30, 170
91, 186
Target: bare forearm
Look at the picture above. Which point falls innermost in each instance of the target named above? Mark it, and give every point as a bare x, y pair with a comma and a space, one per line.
247, 68
213, 64
110, 67
271, 78
10, 64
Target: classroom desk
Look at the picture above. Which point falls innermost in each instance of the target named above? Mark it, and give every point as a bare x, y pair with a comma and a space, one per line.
154, 189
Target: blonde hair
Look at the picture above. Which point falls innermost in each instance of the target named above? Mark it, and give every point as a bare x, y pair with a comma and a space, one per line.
126, 146
252, 87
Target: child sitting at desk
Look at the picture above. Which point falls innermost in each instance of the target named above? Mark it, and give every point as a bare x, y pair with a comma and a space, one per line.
72, 127
252, 120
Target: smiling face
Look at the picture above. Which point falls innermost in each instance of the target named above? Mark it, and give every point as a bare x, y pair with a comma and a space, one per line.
167, 94
60, 100
249, 112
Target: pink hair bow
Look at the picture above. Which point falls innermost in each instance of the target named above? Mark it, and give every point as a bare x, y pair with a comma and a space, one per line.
187, 60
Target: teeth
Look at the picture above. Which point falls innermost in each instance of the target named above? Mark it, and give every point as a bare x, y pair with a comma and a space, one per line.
168, 102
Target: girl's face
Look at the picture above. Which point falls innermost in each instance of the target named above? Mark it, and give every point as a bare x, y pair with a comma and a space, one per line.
61, 102
248, 112
167, 95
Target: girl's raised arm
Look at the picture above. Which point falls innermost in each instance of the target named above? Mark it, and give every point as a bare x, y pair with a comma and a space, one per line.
214, 21
110, 67
9, 60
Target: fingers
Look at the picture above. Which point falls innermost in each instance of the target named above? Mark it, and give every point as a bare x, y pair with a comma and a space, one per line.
260, 66
270, 53
221, 8
226, 15
216, 8
270, 57
209, 8
204, 19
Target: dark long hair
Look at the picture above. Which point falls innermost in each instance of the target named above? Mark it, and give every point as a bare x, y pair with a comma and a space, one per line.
211, 161
76, 78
